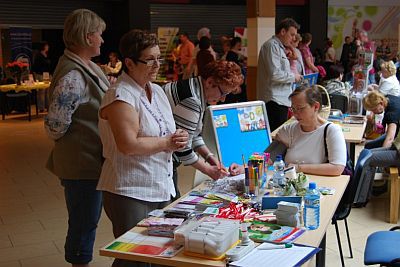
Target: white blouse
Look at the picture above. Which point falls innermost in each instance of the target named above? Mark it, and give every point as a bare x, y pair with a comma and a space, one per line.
147, 178
308, 147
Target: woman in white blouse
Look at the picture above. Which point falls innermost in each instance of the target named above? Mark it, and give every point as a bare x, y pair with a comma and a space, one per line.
138, 134
304, 138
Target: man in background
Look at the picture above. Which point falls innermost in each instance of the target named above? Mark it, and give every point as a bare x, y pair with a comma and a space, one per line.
346, 54
274, 76
185, 56
41, 64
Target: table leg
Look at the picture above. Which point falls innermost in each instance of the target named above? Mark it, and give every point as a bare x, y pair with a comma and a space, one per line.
3, 104
394, 198
35, 93
353, 152
320, 261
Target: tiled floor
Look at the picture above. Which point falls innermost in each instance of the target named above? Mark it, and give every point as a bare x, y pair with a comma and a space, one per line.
33, 214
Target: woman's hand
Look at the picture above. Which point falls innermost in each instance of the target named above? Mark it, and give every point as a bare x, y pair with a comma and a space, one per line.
236, 169
178, 140
111, 79
216, 172
371, 117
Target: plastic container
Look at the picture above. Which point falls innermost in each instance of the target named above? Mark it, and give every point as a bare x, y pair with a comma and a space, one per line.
311, 207
211, 237
278, 178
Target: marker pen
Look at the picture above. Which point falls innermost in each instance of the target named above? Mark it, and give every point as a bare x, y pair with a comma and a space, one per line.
269, 246
246, 179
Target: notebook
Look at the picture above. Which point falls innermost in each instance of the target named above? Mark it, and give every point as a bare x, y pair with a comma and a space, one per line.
288, 257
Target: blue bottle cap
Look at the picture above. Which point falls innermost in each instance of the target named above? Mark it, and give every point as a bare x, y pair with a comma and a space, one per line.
278, 157
312, 185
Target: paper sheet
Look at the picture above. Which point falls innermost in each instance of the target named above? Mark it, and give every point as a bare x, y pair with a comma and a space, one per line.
287, 257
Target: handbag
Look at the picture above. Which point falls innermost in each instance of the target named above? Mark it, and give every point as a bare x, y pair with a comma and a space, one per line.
349, 168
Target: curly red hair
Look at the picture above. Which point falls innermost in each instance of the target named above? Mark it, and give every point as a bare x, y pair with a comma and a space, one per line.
224, 72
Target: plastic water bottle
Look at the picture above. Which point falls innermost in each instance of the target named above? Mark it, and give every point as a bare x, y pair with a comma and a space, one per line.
278, 177
311, 207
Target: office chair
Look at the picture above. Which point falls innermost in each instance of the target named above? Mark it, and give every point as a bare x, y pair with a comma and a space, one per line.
382, 248
344, 208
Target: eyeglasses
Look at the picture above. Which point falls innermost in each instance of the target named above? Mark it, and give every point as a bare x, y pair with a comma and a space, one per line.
295, 110
151, 62
223, 94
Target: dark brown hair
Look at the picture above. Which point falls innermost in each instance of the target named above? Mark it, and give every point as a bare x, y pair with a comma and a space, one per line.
286, 24
134, 42
306, 37
312, 94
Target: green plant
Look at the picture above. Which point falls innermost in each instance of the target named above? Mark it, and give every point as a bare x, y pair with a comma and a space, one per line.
297, 186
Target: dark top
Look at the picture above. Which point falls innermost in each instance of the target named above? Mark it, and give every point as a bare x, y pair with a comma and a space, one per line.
232, 56
346, 51
202, 59
41, 64
392, 112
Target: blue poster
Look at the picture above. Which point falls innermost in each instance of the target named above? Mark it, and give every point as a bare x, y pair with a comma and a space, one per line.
21, 44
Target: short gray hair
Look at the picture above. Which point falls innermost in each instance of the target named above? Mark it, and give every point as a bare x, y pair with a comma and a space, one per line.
78, 24
203, 32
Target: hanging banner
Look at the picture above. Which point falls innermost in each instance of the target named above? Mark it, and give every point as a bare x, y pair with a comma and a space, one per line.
21, 44
380, 22
167, 37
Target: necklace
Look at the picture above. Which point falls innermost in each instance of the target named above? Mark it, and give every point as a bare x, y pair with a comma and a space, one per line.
160, 120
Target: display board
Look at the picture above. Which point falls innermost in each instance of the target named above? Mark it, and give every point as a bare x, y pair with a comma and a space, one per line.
238, 129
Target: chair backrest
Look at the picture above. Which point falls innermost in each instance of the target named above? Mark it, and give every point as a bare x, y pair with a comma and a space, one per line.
339, 102
349, 194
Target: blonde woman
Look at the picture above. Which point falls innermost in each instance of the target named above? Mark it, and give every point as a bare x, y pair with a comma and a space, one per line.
377, 103
76, 90
388, 84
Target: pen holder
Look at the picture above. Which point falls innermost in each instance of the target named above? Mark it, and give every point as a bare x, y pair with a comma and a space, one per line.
252, 180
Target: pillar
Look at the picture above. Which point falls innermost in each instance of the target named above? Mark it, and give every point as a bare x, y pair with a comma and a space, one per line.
260, 27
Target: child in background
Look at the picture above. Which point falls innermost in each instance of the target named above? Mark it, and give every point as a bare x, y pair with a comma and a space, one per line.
294, 56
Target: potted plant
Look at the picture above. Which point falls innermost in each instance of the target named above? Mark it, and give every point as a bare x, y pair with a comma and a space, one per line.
16, 69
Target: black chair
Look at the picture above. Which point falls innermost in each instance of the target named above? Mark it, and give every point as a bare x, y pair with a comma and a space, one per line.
344, 208
339, 102
25, 96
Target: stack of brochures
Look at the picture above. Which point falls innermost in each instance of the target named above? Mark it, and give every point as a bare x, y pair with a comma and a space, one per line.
161, 226
354, 119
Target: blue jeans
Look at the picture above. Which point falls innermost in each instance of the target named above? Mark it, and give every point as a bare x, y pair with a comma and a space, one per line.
84, 205
378, 142
381, 157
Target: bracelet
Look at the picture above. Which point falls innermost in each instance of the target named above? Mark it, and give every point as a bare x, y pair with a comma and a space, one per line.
208, 156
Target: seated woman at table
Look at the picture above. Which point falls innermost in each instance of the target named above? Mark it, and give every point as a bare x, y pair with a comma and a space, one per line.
188, 99
138, 132
388, 83
377, 103
304, 137
114, 66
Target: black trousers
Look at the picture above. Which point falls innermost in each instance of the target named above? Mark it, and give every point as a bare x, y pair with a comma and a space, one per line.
277, 114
